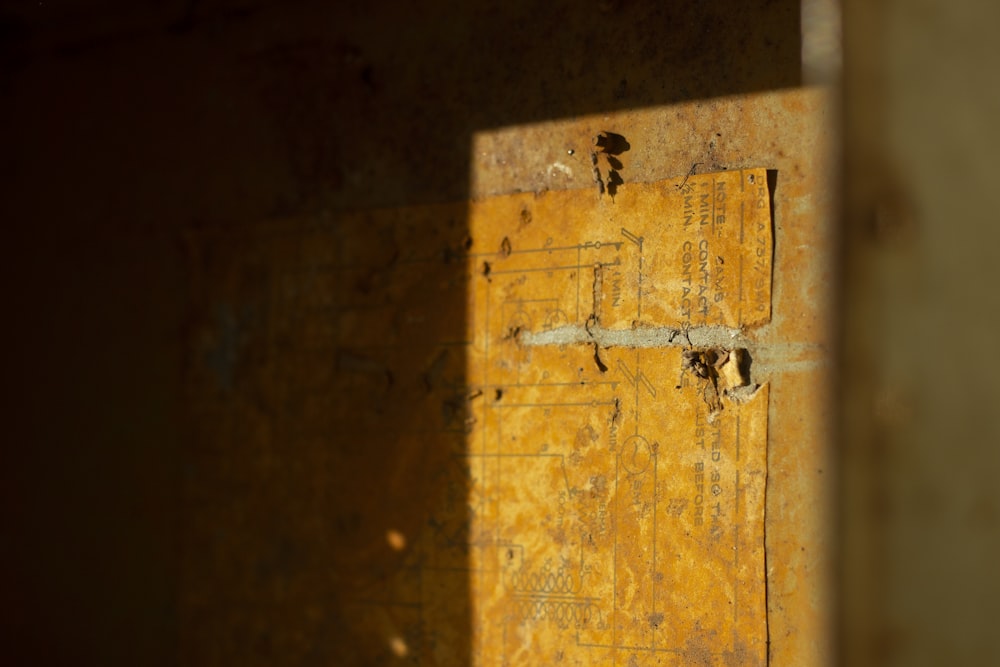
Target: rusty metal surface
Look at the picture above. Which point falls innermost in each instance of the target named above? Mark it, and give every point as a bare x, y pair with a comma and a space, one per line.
182, 148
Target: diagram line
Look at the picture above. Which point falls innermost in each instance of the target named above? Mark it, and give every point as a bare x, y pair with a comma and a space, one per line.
549, 269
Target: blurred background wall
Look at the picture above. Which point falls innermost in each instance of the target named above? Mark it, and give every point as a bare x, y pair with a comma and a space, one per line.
919, 435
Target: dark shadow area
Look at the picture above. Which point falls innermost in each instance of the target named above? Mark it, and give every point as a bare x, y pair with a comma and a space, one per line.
772, 186
236, 384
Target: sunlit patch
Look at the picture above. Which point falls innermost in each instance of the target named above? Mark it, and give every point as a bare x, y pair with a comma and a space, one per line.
396, 540
398, 647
